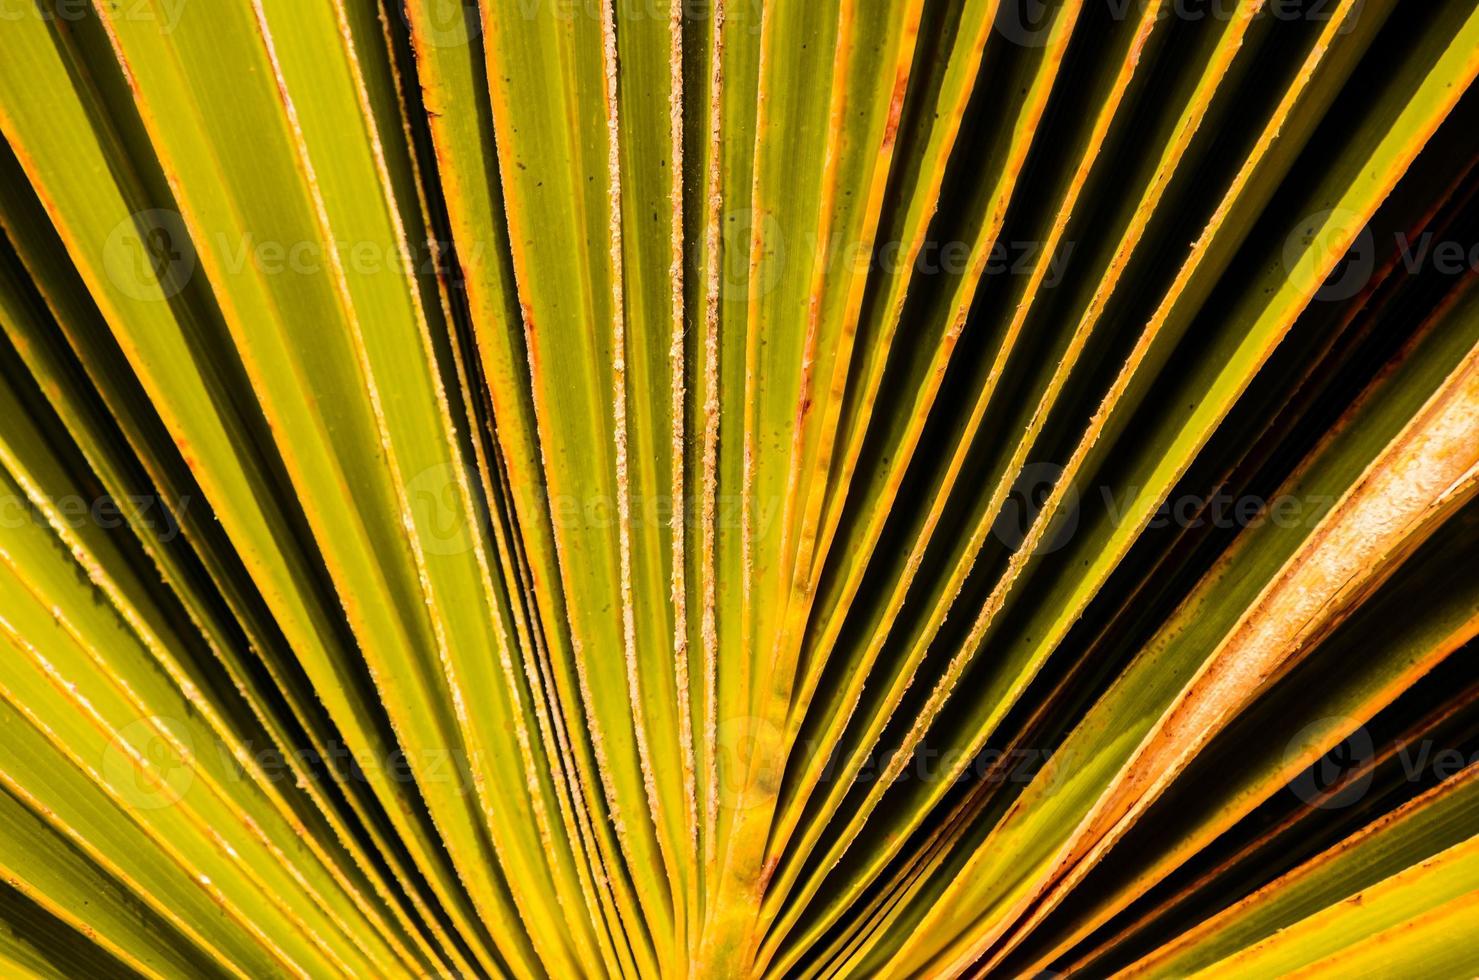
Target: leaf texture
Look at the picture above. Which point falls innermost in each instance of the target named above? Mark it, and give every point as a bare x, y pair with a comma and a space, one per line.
766, 488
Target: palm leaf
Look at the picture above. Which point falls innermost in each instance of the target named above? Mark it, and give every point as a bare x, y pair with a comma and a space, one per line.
774, 488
